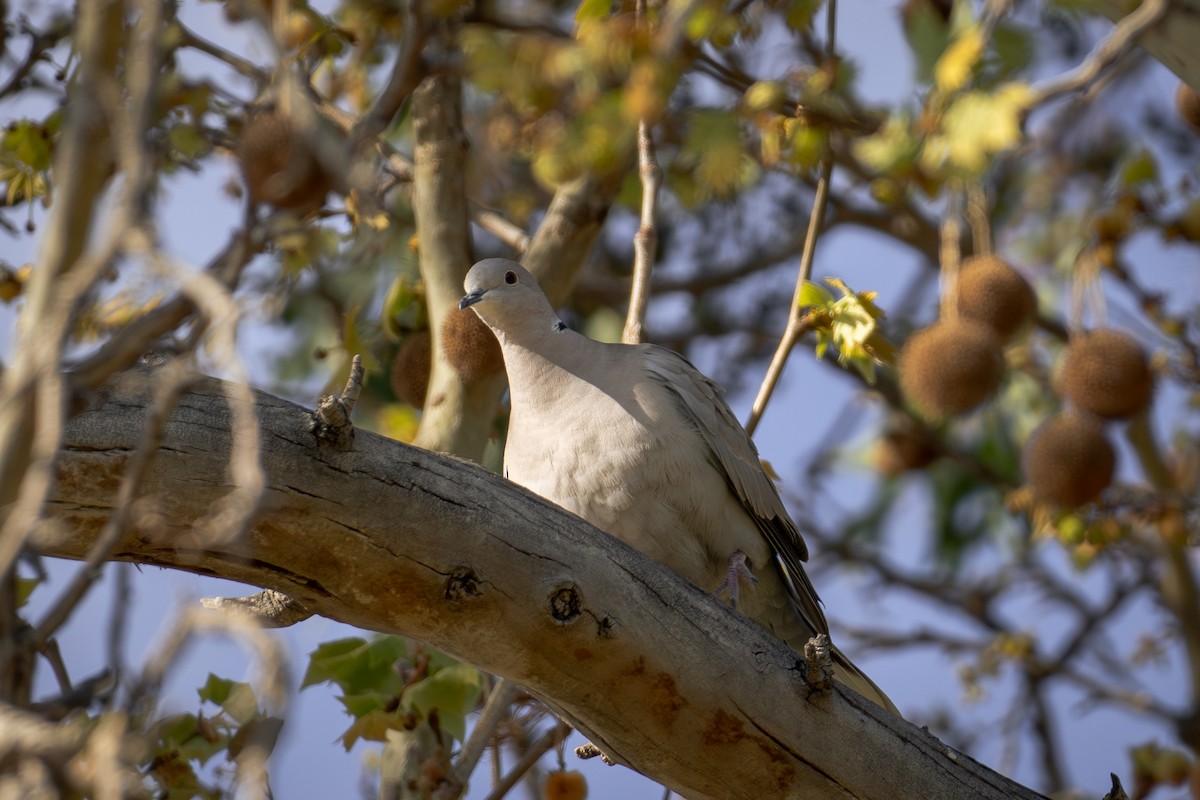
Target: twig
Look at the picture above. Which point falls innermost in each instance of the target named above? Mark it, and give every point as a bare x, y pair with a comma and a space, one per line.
33, 387
1124, 36
645, 241
118, 624
40, 42
495, 711
330, 421
549, 739
175, 378
272, 666
132, 341
235, 62
232, 515
502, 229
950, 256
406, 74
795, 324
977, 218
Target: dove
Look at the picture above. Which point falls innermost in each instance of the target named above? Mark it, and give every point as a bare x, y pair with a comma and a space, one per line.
635, 440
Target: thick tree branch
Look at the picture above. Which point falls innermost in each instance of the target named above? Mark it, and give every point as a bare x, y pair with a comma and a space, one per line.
392, 538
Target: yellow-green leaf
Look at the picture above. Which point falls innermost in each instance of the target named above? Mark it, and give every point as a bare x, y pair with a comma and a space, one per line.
814, 294
977, 126
763, 95
954, 68
592, 9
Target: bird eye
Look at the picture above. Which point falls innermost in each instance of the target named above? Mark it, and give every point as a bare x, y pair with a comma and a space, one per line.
510, 277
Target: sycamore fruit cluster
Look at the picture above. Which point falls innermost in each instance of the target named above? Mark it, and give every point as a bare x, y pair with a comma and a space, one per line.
467, 345
1104, 376
278, 166
955, 364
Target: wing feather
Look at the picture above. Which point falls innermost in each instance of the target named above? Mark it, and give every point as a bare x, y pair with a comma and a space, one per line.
702, 402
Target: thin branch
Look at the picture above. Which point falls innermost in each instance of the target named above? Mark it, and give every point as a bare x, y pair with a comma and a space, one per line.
1123, 37
174, 379
406, 74
40, 42
795, 325
229, 518
645, 242
235, 62
495, 711
131, 342
543, 745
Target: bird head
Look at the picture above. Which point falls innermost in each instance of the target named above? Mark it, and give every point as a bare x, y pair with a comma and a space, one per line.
504, 293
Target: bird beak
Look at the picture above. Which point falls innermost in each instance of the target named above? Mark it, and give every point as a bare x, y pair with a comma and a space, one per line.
471, 299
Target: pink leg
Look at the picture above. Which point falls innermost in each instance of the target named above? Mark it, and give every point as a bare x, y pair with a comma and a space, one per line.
737, 573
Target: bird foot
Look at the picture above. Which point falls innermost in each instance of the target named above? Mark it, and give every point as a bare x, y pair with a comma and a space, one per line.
736, 574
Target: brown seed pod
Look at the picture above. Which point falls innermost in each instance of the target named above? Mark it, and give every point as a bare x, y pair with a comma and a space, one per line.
1068, 460
992, 293
1105, 372
902, 447
410, 368
278, 166
1187, 103
470, 346
950, 367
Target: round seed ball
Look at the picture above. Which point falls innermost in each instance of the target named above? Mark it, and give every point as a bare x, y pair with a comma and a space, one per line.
410, 368
564, 785
992, 293
902, 448
950, 367
278, 167
1105, 372
1068, 460
470, 346
1187, 102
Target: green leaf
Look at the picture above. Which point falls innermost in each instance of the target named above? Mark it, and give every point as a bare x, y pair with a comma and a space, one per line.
808, 144
453, 724
29, 143
814, 294
373, 727
800, 13
215, 690
453, 689
892, 146
1138, 167
358, 705
928, 34
714, 141
188, 141
1011, 49
354, 664
234, 697
763, 95
24, 589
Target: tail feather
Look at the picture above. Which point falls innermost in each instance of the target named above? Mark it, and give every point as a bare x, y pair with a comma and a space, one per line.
845, 672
